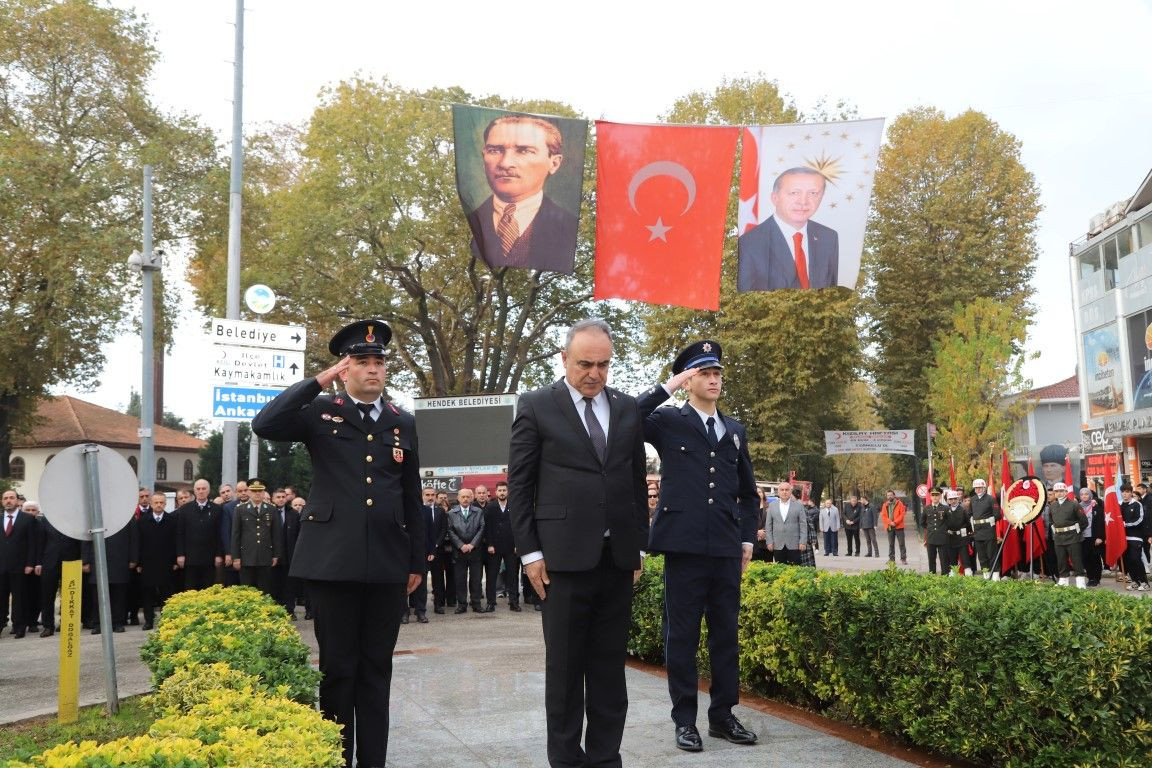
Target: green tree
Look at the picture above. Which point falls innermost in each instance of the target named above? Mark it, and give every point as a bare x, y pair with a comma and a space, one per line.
279, 464
977, 366
788, 355
954, 220
76, 129
357, 216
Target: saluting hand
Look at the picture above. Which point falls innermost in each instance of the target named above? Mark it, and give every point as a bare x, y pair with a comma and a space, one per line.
679, 379
325, 378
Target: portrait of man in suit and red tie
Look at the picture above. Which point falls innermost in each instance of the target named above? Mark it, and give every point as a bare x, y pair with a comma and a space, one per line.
788, 249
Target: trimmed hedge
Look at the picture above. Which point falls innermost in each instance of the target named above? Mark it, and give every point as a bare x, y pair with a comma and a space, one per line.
1006, 673
239, 626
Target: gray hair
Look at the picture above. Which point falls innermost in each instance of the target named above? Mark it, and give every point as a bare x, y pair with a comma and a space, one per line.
594, 323
30, 503
798, 169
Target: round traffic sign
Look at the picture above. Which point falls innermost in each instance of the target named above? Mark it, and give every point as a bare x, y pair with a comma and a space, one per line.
922, 491
64, 491
260, 298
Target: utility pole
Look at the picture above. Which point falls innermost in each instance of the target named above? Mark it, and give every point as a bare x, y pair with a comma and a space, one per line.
148, 263
230, 457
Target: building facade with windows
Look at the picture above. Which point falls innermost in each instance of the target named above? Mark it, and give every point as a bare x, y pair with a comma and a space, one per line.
64, 421
1112, 295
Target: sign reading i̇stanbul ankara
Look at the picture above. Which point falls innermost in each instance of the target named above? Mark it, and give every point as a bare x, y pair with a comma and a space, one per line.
662, 194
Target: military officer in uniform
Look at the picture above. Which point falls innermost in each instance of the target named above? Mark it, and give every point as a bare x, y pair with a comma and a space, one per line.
1068, 520
257, 539
985, 513
705, 526
361, 542
934, 521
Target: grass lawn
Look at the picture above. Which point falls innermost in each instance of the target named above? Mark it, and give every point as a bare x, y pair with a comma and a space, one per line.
19, 741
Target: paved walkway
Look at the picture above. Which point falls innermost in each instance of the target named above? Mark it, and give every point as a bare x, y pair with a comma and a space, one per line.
469, 690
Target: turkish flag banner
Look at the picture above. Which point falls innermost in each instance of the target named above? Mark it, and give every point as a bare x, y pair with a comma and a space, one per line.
1115, 537
661, 202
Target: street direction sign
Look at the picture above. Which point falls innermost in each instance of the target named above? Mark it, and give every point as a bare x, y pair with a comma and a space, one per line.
264, 335
256, 367
240, 403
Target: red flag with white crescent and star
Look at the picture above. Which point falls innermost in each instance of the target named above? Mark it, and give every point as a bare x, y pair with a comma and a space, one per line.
661, 203
748, 212
1115, 538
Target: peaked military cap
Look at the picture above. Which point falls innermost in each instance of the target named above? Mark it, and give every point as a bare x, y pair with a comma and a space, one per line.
702, 354
365, 337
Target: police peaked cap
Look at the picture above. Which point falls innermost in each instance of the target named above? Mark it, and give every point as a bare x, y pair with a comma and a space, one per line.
702, 354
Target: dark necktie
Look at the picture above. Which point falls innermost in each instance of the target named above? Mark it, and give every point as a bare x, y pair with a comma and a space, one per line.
8, 525
595, 431
366, 409
507, 229
711, 422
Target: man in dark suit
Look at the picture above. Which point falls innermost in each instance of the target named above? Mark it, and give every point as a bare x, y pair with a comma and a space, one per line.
576, 475
705, 526
788, 249
121, 552
436, 531
361, 543
157, 562
17, 560
520, 226
53, 549
198, 550
501, 548
289, 532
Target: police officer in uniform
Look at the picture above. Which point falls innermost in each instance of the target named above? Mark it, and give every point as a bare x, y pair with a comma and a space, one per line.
257, 539
985, 513
705, 526
934, 520
1068, 520
361, 542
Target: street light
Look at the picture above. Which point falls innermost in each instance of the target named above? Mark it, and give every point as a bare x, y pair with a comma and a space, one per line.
147, 263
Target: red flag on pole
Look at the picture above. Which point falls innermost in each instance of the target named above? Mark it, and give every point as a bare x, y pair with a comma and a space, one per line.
1068, 472
748, 212
952, 471
661, 200
1031, 471
1005, 473
1115, 539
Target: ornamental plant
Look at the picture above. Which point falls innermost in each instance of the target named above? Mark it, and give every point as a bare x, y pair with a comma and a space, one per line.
238, 626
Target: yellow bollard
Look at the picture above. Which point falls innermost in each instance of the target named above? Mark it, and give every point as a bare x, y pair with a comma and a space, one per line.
69, 694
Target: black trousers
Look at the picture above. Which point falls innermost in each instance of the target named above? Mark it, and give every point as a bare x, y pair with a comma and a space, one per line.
261, 577
199, 576
1134, 563
585, 622
418, 600
1093, 562
787, 557
443, 579
356, 626
511, 577
49, 586
153, 596
853, 537
12, 586
32, 600
986, 550
944, 553
469, 571
699, 587
958, 553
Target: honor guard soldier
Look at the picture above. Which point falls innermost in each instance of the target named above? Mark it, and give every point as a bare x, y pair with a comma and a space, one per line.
705, 526
1068, 520
361, 542
985, 512
959, 532
934, 520
257, 539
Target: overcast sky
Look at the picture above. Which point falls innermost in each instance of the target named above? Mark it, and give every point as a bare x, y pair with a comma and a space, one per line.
1071, 80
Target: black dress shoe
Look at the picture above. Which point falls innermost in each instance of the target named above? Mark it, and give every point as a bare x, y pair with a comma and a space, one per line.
147, 626
47, 632
95, 630
118, 629
404, 619
438, 609
491, 608
18, 633
539, 607
422, 618
308, 615
514, 607
461, 609
731, 730
688, 738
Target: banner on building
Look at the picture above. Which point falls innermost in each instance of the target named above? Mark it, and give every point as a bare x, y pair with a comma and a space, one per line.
1105, 380
804, 195
661, 200
871, 441
520, 178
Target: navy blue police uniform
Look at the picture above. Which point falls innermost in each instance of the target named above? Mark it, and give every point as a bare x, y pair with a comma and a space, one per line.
707, 511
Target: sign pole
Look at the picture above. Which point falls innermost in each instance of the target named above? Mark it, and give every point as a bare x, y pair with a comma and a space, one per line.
100, 559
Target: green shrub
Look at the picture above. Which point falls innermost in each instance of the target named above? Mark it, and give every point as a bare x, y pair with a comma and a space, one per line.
239, 626
1013, 674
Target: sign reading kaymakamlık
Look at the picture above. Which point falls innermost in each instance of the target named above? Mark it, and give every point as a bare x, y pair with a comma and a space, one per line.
253, 366
870, 441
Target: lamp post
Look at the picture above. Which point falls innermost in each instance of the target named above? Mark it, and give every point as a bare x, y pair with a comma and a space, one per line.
147, 263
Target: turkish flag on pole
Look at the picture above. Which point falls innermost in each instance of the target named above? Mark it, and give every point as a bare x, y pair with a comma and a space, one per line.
952, 471
661, 202
1068, 472
1031, 471
1115, 539
748, 212
1005, 473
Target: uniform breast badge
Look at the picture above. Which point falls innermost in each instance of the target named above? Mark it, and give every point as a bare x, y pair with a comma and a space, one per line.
398, 455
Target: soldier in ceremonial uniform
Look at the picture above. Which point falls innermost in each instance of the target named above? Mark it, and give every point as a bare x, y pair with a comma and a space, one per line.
361, 542
257, 540
934, 520
985, 512
705, 526
1068, 520
959, 533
